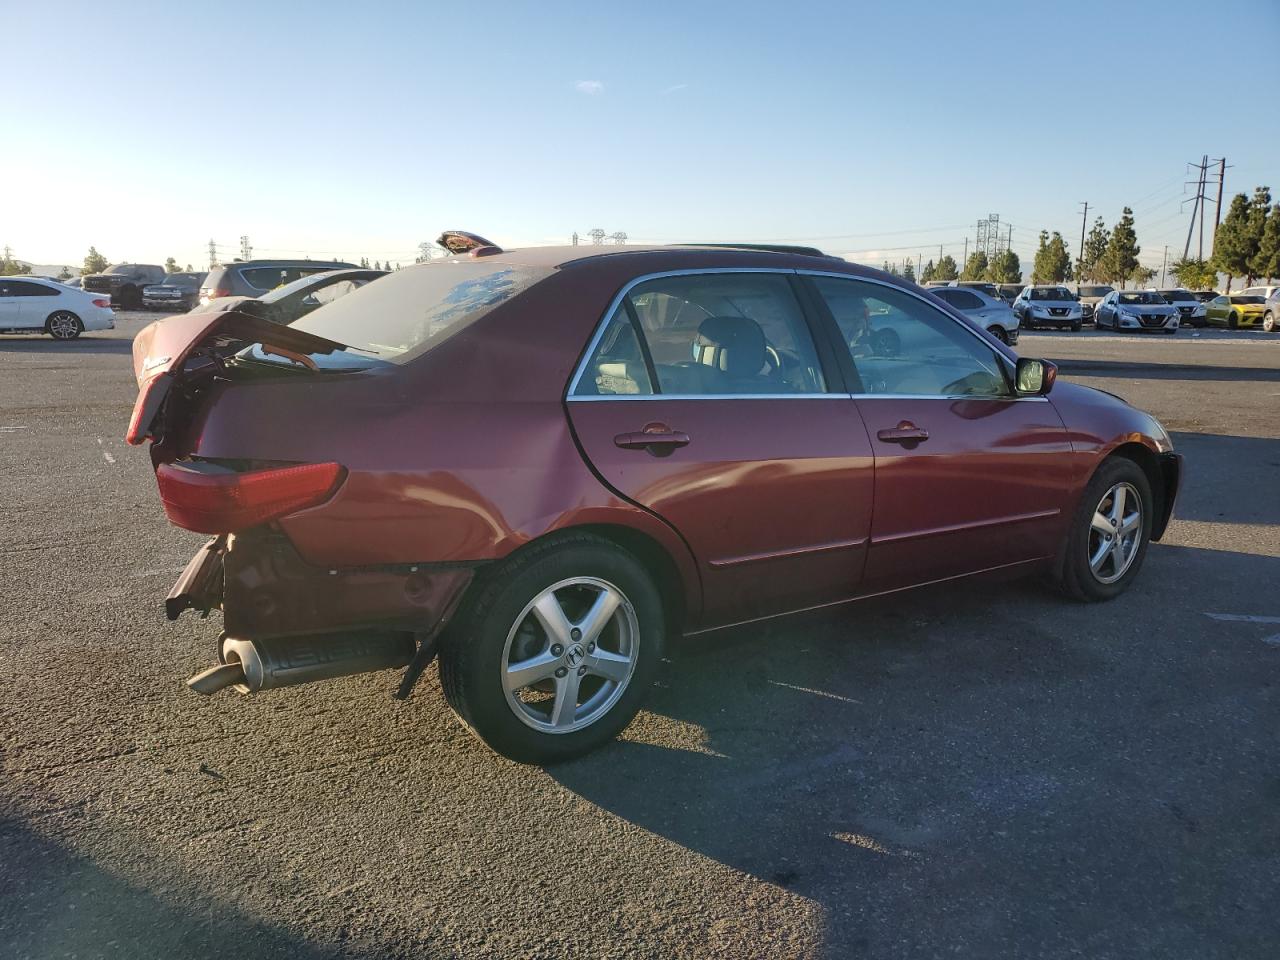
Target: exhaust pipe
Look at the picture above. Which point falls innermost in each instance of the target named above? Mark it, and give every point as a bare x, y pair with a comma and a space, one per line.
253, 665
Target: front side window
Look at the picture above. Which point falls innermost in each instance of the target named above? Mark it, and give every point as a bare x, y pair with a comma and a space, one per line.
901, 345
724, 334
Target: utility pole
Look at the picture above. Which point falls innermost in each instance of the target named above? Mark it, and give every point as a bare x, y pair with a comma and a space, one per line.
1186, 250
1084, 219
1164, 264
246, 251
1204, 172
575, 238
966, 253
1217, 216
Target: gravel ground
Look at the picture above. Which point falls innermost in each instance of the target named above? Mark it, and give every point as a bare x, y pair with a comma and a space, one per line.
982, 771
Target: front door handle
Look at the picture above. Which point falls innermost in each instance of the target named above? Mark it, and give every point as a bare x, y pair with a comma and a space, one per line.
905, 432
653, 436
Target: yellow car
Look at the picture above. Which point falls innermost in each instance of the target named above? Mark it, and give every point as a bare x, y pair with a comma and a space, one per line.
1237, 310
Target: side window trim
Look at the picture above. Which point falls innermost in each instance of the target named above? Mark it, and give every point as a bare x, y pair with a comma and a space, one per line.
637, 331
571, 394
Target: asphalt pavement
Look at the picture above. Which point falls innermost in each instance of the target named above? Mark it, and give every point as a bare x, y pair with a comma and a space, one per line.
980, 771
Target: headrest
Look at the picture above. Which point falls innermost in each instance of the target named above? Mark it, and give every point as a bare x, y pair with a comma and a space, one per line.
735, 345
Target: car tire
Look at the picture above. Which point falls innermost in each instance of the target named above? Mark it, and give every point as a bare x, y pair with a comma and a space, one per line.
1269, 322
63, 325
501, 623
1087, 572
1233, 321
1000, 334
1075, 327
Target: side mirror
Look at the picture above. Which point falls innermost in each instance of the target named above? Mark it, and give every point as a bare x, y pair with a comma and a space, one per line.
1034, 378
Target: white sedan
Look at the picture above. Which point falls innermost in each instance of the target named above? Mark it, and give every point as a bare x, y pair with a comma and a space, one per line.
28, 305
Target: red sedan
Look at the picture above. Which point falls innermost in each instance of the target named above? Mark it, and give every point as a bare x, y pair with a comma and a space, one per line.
542, 463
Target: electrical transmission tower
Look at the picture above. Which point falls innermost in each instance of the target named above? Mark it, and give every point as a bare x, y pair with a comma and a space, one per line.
213, 254
246, 251
597, 236
990, 242
619, 236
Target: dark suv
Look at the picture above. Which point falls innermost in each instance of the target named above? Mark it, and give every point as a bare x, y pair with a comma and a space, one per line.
253, 278
178, 291
124, 282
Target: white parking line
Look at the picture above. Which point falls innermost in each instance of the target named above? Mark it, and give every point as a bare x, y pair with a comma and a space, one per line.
10, 429
1242, 618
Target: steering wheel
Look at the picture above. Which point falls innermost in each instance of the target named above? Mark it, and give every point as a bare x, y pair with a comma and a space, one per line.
776, 363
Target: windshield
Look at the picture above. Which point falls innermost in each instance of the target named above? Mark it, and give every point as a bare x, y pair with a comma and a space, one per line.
407, 313
1246, 299
302, 283
119, 268
1095, 291
1051, 293
1172, 295
182, 279
1142, 297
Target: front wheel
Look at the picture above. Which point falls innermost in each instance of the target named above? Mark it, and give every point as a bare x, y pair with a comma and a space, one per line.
1233, 322
64, 325
1000, 334
1269, 322
1108, 538
554, 652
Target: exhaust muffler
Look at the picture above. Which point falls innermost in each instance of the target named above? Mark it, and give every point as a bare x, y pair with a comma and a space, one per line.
253, 665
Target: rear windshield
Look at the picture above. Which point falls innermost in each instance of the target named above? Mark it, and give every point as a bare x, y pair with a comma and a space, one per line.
1142, 297
1184, 295
1051, 293
1095, 291
407, 313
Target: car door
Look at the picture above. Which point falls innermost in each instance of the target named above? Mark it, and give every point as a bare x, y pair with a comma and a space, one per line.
704, 399
1217, 309
968, 475
10, 305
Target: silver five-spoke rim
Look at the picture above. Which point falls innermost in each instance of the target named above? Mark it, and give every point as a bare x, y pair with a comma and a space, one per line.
570, 655
1115, 533
62, 325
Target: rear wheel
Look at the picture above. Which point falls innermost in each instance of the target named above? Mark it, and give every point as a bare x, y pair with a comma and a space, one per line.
1108, 538
63, 325
555, 650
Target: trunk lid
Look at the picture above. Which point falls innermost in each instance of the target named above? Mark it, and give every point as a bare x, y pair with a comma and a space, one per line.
162, 352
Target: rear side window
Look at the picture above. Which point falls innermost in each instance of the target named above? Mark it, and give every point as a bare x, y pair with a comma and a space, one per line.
268, 278
618, 366
716, 336
24, 288
409, 312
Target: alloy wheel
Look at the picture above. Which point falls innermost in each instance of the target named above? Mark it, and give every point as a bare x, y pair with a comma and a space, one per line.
64, 326
1115, 533
570, 655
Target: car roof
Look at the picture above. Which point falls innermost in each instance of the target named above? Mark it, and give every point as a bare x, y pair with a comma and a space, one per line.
336, 264
562, 256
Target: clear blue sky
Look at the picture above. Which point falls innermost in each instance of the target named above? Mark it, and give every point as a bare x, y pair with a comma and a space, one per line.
875, 130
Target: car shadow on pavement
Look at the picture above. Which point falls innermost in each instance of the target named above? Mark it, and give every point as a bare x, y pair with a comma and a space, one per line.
70, 907
1138, 370
1228, 479
996, 764
85, 344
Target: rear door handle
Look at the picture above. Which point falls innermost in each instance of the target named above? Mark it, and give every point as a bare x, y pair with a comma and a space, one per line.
653, 435
904, 432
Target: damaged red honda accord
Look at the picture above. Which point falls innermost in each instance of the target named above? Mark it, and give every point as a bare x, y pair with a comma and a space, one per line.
542, 463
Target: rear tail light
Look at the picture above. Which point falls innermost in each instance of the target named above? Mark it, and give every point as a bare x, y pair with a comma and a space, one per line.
225, 501
100, 302
219, 291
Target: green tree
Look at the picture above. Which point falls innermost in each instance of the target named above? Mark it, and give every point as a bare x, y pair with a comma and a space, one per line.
1095, 247
909, 272
1194, 274
1266, 262
1141, 275
171, 266
1256, 227
95, 262
64, 274
9, 266
1231, 248
927, 273
975, 268
1005, 268
946, 269
1121, 257
1052, 263
189, 268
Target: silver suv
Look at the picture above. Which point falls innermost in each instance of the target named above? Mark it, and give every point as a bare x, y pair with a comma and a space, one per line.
253, 278
1049, 305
